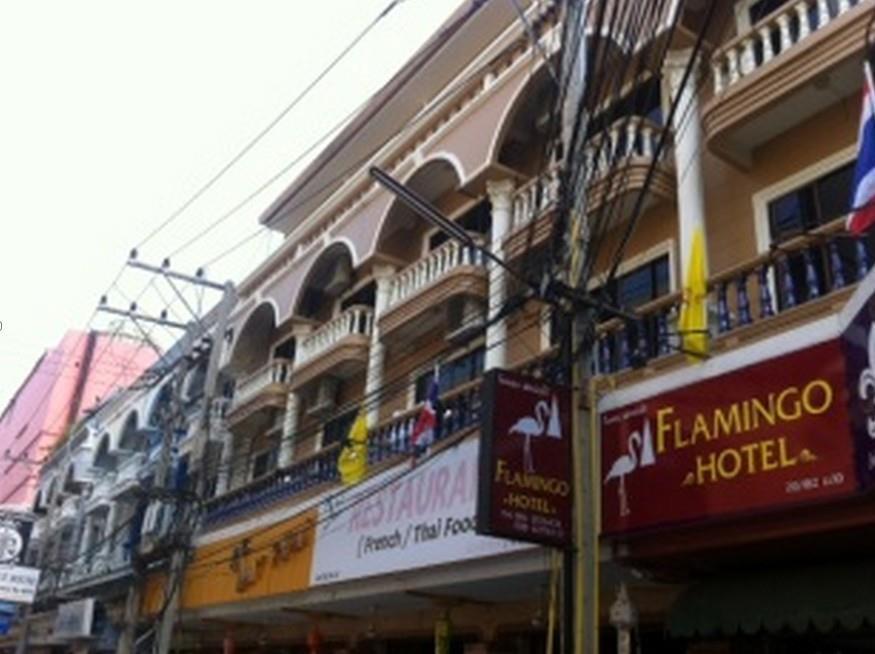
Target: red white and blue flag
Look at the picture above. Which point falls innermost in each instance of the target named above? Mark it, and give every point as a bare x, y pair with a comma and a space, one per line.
862, 215
423, 434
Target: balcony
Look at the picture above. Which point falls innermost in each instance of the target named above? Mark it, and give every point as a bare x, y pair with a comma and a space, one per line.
807, 278
339, 346
103, 567
791, 65
419, 295
618, 161
127, 476
266, 387
388, 443
533, 206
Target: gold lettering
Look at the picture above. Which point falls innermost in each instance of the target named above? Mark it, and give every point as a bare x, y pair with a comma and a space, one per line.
827, 396
729, 473
768, 413
785, 460
729, 423
710, 467
749, 450
700, 427
797, 409
767, 459
662, 426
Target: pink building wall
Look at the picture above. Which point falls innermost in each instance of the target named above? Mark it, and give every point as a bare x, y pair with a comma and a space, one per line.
68, 380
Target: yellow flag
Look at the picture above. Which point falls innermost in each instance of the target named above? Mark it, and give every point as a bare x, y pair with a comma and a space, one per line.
353, 460
693, 321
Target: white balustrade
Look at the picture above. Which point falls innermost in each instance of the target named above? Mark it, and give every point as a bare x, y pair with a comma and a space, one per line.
358, 319
772, 36
535, 196
278, 371
607, 149
424, 272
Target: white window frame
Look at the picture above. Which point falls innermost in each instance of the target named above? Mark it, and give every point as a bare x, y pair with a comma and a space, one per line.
651, 254
764, 196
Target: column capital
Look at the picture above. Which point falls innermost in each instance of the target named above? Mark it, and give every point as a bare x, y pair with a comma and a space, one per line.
500, 193
383, 272
675, 64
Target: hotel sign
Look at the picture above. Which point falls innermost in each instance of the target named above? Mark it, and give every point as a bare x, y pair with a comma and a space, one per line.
771, 434
525, 491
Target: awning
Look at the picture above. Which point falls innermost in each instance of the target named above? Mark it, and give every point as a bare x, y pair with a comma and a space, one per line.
800, 599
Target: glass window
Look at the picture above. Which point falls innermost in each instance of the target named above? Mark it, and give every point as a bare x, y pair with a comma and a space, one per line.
641, 285
460, 370
263, 463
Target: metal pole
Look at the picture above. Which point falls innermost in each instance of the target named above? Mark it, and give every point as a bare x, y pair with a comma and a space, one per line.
201, 438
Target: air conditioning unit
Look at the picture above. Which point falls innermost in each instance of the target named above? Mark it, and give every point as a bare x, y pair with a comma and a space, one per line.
324, 397
466, 315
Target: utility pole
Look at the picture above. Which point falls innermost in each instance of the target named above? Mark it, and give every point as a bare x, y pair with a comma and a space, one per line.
199, 446
172, 419
580, 566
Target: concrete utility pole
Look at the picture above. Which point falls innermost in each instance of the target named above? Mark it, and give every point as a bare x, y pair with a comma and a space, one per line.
164, 628
172, 419
581, 585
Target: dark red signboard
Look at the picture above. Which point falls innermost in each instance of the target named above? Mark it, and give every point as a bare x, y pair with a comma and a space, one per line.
525, 490
767, 435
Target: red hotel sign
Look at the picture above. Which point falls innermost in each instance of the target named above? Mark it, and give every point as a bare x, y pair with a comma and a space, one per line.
525, 490
768, 435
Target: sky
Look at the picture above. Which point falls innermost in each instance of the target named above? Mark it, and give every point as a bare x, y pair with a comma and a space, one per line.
114, 113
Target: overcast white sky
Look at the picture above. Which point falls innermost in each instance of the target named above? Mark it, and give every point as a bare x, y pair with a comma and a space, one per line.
112, 113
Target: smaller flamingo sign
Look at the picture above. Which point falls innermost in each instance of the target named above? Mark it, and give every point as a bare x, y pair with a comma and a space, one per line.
525, 490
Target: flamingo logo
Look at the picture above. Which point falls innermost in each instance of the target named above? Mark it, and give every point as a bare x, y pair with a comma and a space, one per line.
866, 387
640, 455
544, 422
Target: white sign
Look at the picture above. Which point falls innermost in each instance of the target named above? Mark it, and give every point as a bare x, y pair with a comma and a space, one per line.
18, 584
404, 519
74, 620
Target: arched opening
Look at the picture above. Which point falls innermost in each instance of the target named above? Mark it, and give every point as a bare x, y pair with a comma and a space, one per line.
131, 439
406, 236
332, 285
523, 140
161, 407
103, 460
252, 348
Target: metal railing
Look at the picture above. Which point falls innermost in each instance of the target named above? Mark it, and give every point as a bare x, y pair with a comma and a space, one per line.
796, 273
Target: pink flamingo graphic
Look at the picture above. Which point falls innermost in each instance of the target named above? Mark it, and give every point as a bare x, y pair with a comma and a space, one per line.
531, 426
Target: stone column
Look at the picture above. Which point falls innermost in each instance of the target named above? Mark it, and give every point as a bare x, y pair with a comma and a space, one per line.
377, 352
501, 198
290, 428
688, 145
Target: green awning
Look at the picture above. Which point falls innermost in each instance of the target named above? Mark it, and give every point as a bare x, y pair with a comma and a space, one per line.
821, 597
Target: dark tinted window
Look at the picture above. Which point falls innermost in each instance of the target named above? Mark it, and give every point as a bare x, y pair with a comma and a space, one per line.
452, 373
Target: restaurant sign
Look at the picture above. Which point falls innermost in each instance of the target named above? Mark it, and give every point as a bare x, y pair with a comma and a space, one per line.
771, 434
525, 490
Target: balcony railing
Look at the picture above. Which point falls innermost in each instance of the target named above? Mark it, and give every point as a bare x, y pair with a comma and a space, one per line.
460, 409
356, 320
277, 371
426, 271
534, 197
774, 284
773, 36
627, 138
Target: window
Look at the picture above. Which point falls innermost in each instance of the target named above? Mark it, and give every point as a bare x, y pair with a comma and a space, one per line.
640, 285
460, 370
816, 203
336, 430
263, 463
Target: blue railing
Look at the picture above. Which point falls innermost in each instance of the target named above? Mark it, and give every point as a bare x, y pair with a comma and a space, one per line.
794, 274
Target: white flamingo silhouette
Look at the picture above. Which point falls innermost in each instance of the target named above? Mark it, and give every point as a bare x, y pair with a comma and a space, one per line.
623, 466
530, 426
866, 387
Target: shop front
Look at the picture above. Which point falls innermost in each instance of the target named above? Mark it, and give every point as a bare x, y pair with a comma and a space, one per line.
747, 479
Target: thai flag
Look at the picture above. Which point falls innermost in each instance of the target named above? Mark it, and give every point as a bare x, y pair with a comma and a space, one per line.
863, 201
424, 431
